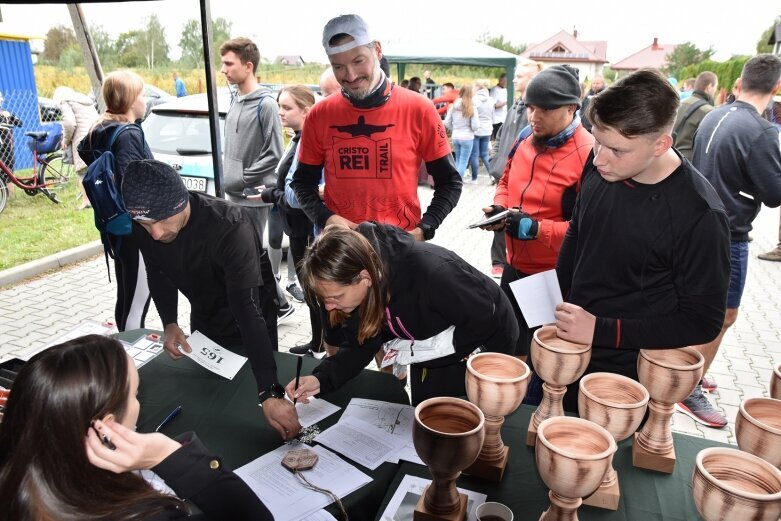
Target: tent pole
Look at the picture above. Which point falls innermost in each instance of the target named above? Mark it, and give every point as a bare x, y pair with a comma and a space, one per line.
211, 96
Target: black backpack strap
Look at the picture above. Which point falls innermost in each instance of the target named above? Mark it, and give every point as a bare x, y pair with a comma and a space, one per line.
686, 115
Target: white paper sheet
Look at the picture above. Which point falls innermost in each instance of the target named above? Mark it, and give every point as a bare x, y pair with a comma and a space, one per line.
320, 515
361, 441
394, 418
284, 494
402, 504
213, 356
537, 296
314, 411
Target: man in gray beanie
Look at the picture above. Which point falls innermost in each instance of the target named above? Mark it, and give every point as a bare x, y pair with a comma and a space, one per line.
208, 249
541, 181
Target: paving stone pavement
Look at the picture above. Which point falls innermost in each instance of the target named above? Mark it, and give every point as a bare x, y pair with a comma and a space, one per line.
37, 310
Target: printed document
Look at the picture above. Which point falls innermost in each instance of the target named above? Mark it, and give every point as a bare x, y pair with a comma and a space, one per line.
283, 492
537, 296
394, 418
402, 504
361, 441
314, 411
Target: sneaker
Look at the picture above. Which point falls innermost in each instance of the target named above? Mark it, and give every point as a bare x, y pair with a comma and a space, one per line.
774, 255
497, 271
303, 349
708, 384
698, 407
295, 292
284, 313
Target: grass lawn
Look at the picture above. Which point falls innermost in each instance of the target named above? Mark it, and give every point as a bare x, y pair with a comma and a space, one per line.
34, 227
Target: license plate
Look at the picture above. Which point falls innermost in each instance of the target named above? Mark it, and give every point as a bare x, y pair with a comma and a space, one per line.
196, 184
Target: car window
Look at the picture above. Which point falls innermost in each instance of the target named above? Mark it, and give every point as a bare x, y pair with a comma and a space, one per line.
183, 134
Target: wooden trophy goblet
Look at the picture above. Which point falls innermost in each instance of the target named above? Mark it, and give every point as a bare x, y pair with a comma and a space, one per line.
496, 383
618, 404
448, 434
730, 484
670, 375
572, 457
775, 383
758, 429
558, 363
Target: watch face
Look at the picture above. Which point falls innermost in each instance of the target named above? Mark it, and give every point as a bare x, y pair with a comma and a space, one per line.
277, 391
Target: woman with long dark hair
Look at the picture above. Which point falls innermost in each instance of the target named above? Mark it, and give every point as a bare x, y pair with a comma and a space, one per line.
68, 449
376, 284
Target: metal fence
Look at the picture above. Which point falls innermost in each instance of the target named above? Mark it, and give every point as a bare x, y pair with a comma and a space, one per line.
22, 111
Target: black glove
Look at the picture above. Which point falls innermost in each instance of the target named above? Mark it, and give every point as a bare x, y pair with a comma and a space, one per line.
521, 225
495, 209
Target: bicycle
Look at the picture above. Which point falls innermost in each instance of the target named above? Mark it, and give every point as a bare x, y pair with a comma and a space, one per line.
46, 175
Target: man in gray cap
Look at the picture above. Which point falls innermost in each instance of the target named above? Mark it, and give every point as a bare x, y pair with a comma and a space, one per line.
541, 181
208, 249
370, 141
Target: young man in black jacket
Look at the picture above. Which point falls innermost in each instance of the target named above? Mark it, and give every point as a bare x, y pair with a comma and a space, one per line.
208, 249
737, 151
645, 262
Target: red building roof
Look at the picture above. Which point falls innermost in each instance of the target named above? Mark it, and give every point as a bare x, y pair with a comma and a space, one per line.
654, 57
563, 46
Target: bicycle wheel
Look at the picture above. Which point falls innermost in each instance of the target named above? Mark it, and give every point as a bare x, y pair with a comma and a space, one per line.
3, 193
48, 173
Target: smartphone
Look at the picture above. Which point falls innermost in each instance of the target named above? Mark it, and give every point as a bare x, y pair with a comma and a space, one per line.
250, 190
489, 220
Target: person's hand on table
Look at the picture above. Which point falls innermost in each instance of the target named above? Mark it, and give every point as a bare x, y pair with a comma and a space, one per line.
175, 337
338, 220
282, 416
132, 450
492, 210
575, 324
308, 386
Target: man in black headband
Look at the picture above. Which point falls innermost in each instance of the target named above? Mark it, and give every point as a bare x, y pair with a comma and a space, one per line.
207, 248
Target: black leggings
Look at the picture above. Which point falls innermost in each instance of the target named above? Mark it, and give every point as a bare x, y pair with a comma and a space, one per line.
297, 249
132, 287
275, 230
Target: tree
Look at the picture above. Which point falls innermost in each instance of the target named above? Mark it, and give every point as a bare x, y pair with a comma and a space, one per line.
130, 50
152, 40
71, 57
105, 46
762, 45
58, 38
191, 41
498, 42
684, 55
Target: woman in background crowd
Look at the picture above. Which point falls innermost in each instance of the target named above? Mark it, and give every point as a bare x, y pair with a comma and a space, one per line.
463, 121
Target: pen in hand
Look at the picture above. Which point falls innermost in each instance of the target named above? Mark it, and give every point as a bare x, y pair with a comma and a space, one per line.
298, 375
168, 419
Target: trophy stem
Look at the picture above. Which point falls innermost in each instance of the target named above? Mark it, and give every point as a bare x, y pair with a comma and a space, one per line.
549, 407
493, 446
561, 508
441, 497
656, 436
610, 479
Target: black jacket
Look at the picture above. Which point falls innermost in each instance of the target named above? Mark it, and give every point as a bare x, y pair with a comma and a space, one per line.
737, 151
431, 288
130, 145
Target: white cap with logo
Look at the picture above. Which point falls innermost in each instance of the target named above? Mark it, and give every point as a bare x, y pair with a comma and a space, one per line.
349, 24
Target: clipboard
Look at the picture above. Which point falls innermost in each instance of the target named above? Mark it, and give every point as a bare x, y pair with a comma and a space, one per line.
489, 220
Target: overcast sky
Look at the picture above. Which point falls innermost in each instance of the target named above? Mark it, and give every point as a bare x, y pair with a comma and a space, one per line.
296, 27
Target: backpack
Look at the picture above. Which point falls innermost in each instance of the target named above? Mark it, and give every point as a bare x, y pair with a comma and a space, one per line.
103, 192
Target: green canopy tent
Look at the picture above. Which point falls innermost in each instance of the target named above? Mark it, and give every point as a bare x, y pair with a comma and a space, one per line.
448, 52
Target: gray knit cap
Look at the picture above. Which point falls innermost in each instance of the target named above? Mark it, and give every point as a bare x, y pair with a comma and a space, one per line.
153, 191
554, 87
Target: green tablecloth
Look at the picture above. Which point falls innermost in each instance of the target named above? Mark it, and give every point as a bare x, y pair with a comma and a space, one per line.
645, 495
225, 413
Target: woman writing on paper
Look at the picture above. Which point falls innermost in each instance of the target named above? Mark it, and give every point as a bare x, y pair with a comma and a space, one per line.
376, 284
69, 451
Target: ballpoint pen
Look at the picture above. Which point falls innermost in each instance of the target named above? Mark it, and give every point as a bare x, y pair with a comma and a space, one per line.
298, 375
168, 419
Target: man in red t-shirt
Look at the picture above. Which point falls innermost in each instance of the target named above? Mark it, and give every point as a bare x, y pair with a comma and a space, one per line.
370, 142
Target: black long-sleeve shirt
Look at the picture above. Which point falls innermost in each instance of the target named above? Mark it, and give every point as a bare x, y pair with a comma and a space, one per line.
651, 262
217, 263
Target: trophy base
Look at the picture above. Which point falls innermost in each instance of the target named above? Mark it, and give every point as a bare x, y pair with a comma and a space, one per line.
489, 470
643, 459
604, 497
531, 435
422, 514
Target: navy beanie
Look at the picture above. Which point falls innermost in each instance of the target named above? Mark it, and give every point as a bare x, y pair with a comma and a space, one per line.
554, 87
153, 191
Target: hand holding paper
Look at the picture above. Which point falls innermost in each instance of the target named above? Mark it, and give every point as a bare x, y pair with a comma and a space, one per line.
574, 323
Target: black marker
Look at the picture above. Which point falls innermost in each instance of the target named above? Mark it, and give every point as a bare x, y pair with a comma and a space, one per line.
168, 419
298, 375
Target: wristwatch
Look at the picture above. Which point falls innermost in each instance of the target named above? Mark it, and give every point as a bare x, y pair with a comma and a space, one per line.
428, 231
273, 391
